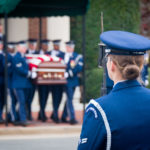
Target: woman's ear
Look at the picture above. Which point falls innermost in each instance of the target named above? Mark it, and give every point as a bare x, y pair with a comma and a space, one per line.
113, 66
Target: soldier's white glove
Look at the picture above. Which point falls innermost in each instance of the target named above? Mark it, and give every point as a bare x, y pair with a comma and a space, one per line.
33, 75
66, 75
146, 82
29, 74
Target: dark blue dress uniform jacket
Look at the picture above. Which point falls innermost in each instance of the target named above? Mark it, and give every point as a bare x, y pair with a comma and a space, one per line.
144, 72
1, 69
20, 72
118, 121
73, 79
9, 69
59, 53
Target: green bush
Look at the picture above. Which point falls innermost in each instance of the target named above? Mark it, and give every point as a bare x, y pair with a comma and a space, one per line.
118, 15
149, 78
93, 84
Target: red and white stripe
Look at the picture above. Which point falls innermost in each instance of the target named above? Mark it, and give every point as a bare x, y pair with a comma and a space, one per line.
34, 59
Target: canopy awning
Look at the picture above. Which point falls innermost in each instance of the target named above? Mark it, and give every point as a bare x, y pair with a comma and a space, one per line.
43, 8
7, 6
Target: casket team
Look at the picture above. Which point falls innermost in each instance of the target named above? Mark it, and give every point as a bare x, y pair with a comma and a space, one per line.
21, 81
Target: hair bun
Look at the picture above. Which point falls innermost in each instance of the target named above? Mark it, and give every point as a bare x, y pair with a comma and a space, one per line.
131, 72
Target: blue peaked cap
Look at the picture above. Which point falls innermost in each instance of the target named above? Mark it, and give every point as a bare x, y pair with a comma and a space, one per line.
11, 44
32, 41
70, 42
125, 43
56, 42
21, 42
45, 41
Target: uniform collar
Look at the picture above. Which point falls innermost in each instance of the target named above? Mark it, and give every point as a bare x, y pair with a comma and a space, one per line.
55, 52
43, 52
69, 54
31, 51
12, 54
22, 55
125, 84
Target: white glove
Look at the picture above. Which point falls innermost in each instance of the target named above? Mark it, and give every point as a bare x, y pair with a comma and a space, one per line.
33, 75
66, 75
146, 82
29, 74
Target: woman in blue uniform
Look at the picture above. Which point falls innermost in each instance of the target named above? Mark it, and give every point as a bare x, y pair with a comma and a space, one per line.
121, 119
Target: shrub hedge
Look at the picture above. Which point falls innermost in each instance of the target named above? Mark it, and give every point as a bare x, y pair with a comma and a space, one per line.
118, 15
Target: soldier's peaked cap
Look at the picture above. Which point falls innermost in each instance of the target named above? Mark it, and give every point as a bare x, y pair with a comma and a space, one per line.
125, 43
21, 42
56, 42
70, 42
45, 41
32, 40
11, 44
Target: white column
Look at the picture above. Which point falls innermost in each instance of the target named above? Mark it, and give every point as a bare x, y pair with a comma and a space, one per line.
17, 29
58, 28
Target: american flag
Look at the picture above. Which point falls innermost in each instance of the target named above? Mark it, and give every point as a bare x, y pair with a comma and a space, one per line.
35, 59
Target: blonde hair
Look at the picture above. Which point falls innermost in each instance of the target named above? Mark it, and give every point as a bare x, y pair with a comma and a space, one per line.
129, 66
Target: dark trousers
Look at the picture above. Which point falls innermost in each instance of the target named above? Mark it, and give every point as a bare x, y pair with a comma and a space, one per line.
29, 94
43, 91
69, 109
20, 95
1, 100
57, 91
13, 111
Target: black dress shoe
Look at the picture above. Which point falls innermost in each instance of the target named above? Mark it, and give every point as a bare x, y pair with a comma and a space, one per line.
73, 122
44, 119
30, 118
39, 117
52, 116
2, 121
21, 123
64, 120
55, 119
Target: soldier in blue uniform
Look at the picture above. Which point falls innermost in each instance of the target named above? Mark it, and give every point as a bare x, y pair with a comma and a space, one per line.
20, 80
43, 90
13, 101
32, 49
144, 72
74, 63
120, 120
57, 90
1, 80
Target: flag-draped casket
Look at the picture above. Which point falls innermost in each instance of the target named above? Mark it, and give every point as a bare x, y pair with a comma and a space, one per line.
50, 70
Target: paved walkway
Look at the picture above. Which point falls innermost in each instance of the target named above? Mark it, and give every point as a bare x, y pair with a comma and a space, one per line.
48, 127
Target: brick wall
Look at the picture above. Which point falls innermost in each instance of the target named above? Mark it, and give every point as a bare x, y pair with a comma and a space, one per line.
34, 28
145, 17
